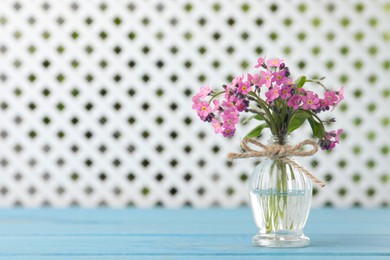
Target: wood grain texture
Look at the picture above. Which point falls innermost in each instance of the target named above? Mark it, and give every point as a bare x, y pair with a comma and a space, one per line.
183, 233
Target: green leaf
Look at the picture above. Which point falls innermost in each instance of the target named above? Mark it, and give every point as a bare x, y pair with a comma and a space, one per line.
257, 117
297, 120
256, 131
317, 127
300, 81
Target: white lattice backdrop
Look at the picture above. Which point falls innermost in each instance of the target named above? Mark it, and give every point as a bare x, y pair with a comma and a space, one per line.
95, 97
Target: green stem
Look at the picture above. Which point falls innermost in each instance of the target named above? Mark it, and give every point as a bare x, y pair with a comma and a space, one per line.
284, 186
283, 117
278, 200
291, 116
216, 95
271, 210
316, 117
317, 82
266, 109
319, 120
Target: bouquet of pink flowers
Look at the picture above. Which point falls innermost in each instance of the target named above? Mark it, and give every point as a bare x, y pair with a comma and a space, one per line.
274, 99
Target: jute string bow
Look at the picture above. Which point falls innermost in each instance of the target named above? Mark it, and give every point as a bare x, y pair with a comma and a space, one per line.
279, 152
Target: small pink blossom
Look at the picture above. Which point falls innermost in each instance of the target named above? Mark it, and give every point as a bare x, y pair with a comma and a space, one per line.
330, 98
323, 105
203, 92
228, 131
254, 79
337, 134
236, 80
301, 91
295, 101
229, 102
244, 88
279, 77
310, 101
260, 62
203, 108
272, 94
289, 81
195, 102
266, 78
216, 125
217, 105
330, 139
285, 92
242, 105
341, 96
274, 62
228, 92
230, 118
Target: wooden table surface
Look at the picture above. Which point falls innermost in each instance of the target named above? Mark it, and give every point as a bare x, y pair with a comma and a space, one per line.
184, 234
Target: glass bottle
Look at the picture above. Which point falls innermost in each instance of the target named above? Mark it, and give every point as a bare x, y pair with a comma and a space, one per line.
280, 198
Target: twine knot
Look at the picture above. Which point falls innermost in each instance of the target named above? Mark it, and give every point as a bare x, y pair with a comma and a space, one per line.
276, 151
279, 152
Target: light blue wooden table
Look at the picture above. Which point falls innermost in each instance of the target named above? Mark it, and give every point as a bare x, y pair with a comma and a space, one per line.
183, 234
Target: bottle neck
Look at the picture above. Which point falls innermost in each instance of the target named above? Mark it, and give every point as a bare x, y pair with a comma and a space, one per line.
280, 139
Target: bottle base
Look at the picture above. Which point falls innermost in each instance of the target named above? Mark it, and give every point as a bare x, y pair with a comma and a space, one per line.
268, 240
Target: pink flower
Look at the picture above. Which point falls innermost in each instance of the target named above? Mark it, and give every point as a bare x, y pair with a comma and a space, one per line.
203, 92
203, 108
216, 125
254, 79
341, 95
229, 102
195, 102
279, 77
265, 78
228, 131
330, 98
330, 139
289, 81
323, 105
274, 62
242, 105
301, 91
229, 91
230, 118
244, 88
295, 101
337, 134
272, 94
237, 80
285, 92
310, 101
217, 105
260, 62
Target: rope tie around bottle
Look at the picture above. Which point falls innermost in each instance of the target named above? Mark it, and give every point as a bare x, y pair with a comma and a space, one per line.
279, 152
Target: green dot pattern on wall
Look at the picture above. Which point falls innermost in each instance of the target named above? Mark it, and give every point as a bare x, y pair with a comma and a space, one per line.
95, 98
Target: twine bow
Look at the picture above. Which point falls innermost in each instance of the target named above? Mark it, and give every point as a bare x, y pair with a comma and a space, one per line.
279, 152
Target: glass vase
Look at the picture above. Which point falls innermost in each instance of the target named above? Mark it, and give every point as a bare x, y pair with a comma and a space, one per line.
280, 198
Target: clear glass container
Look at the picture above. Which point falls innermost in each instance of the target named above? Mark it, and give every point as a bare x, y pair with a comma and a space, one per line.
280, 198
